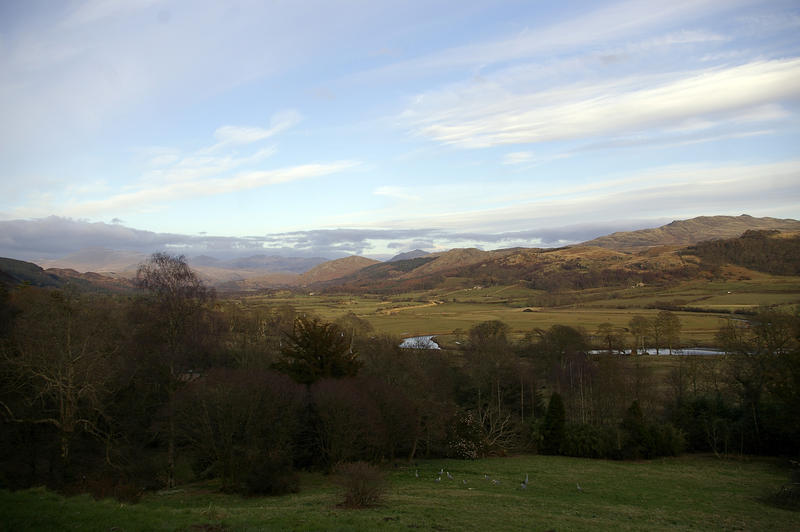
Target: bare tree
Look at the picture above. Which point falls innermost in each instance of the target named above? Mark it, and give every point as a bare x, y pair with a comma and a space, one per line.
639, 327
59, 364
178, 300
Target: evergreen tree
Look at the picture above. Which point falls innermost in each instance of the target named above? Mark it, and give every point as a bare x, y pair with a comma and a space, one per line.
553, 429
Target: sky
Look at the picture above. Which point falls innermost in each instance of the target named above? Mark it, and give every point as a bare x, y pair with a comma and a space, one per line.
328, 128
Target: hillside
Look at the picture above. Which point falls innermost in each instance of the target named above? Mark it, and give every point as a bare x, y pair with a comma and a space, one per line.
414, 254
684, 233
100, 260
16, 272
648, 256
335, 269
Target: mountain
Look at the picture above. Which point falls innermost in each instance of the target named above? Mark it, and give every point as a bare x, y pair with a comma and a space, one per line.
415, 254
100, 260
335, 269
684, 249
683, 233
16, 272
270, 263
648, 256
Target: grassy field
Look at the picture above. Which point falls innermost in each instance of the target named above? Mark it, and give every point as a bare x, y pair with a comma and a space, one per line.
686, 493
443, 311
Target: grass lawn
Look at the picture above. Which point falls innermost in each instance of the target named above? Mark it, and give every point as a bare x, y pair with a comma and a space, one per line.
685, 493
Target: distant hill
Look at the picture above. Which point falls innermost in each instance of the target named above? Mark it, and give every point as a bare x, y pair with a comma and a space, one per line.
16, 272
415, 254
647, 256
265, 263
100, 260
335, 269
683, 249
688, 232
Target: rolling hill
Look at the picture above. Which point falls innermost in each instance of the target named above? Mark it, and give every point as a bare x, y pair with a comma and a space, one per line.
680, 250
688, 232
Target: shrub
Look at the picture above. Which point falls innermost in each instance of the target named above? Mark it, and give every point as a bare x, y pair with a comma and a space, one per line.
363, 484
589, 441
788, 497
271, 474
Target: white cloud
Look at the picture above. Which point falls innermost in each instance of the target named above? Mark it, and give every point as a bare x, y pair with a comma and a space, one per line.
238, 135
518, 157
146, 198
604, 24
486, 115
396, 192
95, 10
768, 189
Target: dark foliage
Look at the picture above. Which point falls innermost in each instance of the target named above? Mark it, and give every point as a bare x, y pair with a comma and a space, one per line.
315, 350
554, 423
765, 251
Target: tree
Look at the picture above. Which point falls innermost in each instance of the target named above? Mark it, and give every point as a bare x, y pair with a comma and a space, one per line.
609, 337
59, 364
241, 425
315, 350
553, 428
639, 327
666, 330
177, 314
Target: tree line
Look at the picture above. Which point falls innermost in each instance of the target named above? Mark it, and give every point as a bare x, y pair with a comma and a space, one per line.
173, 385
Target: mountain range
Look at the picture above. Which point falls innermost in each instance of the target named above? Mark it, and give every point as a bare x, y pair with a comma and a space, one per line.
667, 252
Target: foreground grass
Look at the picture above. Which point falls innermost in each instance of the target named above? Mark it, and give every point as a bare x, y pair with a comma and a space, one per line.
686, 493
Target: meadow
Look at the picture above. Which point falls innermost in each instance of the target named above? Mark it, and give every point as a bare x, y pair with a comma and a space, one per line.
694, 492
446, 312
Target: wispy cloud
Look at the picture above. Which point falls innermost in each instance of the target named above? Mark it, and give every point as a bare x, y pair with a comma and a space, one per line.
95, 10
238, 135
396, 192
484, 116
518, 157
604, 24
147, 197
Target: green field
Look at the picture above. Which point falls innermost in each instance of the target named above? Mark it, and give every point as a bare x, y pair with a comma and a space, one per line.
686, 493
444, 311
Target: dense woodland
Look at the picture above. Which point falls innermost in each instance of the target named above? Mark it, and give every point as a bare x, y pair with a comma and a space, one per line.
766, 251
133, 392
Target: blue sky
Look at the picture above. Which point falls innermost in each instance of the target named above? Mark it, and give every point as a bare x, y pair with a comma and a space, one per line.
329, 128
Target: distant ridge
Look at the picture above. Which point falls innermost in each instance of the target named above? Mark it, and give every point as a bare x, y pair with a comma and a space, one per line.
101, 260
335, 269
414, 254
683, 233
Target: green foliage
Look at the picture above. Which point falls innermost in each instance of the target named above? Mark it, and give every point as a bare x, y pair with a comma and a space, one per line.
648, 440
315, 350
590, 441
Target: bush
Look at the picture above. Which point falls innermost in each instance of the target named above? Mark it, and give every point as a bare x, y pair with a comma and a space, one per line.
364, 485
271, 474
788, 497
589, 441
